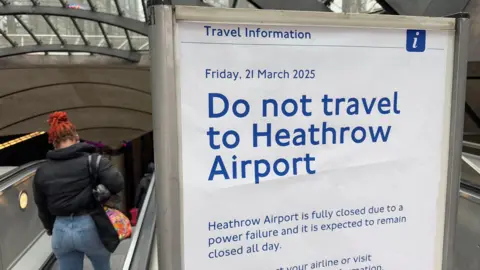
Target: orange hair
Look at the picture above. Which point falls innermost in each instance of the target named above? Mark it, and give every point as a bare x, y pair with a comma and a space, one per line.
60, 128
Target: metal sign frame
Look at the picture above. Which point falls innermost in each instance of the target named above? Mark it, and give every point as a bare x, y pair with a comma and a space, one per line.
165, 110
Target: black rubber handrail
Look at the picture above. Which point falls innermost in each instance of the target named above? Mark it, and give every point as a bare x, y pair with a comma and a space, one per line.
20, 169
48, 264
470, 186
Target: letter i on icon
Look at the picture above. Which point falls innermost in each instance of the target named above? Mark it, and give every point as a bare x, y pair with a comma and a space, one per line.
415, 40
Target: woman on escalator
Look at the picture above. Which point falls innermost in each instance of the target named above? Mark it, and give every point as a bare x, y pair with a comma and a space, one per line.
66, 201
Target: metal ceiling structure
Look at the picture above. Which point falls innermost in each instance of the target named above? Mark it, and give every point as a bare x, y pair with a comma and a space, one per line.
431, 8
108, 27
113, 28
311, 5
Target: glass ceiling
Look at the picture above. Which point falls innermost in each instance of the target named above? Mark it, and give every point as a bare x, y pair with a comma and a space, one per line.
360, 6
51, 23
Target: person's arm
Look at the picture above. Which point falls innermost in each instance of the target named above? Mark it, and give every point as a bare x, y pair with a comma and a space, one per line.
41, 202
110, 176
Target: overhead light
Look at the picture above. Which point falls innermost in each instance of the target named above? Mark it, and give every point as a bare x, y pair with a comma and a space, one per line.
21, 139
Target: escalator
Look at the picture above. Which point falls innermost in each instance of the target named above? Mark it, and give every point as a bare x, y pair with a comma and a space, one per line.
468, 217
24, 244
132, 253
18, 215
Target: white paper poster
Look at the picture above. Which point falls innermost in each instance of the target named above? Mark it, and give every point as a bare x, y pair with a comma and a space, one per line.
312, 147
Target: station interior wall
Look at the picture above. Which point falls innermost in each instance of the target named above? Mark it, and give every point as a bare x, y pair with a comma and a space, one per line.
132, 160
108, 99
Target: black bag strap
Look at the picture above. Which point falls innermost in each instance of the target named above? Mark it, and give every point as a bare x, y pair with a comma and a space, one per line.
93, 169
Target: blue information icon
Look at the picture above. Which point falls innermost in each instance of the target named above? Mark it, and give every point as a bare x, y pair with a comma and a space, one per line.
416, 40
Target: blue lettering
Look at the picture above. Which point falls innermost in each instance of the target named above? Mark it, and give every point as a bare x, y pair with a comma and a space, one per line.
380, 133
353, 106
236, 110
395, 103
309, 136
285, 169
368, 108
294, 107
236, 140
384, 105
207, 29
219, 32
363, 135
308, 162
260, 168
211, 113
304, 101
257, 134
280, 135
338, 101
211, 133
326, 100
261, 174
274, 104
325, 130
218, 162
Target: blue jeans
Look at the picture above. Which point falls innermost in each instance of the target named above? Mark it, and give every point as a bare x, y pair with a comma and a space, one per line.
73, 238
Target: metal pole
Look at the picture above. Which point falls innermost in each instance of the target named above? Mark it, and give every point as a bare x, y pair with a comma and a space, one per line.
165, 132
456, 138
352, 6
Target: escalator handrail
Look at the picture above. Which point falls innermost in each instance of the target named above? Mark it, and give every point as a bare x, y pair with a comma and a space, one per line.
470, 192
471, 145
136, 234
20, 169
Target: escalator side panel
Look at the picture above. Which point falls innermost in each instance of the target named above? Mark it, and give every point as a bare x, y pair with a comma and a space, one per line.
138, 255
153, 263
467, 233
37, 253
19, 227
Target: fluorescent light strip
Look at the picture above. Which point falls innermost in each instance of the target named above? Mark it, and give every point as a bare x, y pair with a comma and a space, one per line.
21, 139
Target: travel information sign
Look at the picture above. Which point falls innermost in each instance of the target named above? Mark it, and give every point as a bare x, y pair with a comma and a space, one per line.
312, 145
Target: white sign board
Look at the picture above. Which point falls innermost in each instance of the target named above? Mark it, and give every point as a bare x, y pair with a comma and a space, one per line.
312, 147
321, 145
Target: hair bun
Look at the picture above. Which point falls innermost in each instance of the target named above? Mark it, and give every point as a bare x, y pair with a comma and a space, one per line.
57, 117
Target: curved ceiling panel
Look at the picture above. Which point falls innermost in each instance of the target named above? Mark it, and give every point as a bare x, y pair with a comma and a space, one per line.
88, 117
110, 136
19, 79
58, 60
56, 97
